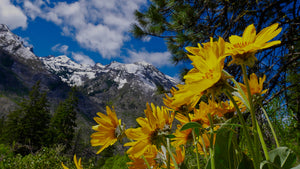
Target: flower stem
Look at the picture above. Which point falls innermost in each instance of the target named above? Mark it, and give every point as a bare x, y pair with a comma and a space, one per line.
171, 154
239, 89
204, 149
196, 147
246, 132
262, 141
253, 117
148, 166
271, 126
211, 140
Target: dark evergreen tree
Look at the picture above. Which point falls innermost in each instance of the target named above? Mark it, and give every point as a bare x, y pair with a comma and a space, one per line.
63, 122
28, 125
2, 128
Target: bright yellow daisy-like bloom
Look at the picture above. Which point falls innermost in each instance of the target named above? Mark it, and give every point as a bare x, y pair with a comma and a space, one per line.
256, 86
243, 48
225, 109
204, 143
108, 130
179, 157
168, 101
139, 163
256, 89
182, 137
208, 62
154, 127
77, 164
199, 116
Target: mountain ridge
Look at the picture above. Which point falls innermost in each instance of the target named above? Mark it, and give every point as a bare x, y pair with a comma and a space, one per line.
127, 87
74, 73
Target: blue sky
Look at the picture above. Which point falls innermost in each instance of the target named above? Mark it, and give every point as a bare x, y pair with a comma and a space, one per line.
88, 31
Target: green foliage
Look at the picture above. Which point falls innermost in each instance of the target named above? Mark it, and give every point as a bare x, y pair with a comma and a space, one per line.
28, 125
281, 157
45, 158
227, 153
63, 122
2, 128
190, 159
285, 125
116, 162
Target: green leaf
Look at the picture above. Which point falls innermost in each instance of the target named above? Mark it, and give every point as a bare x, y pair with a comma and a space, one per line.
297, 167
170, 136
226, 153
246, 162
281, 157
190, 125
197, 132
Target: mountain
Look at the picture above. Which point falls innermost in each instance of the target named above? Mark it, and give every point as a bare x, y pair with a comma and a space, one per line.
127, 87
139, 74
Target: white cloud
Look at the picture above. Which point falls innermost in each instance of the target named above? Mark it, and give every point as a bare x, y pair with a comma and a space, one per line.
97, 25
102, 39
12, 15
146, 38
32, 10
60, 48
82, 59
26, 42
157, 59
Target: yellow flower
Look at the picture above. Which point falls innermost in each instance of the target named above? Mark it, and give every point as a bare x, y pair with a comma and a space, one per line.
225, 109
168, 101
139, 163
109, 129
208, 62
204, 141
203, 144
77, 164
179, 157
243, 48
199, 116
182, 137
154, 127
256, 87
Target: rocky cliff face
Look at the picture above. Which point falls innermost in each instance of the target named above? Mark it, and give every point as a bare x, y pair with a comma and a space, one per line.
127, 87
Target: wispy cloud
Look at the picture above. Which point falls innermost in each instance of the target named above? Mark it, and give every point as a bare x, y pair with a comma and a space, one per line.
60, 48
82, 59
11, 15
158, 59
100, 26
79, 57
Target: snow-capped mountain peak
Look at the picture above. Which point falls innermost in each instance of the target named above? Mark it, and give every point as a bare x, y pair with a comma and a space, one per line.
136, 74
13, 45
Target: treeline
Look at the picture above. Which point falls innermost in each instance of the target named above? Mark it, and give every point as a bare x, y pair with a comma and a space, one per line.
31, 126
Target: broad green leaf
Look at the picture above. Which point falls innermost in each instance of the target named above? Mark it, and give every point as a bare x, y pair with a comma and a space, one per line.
281, 157
226, 154
190, 125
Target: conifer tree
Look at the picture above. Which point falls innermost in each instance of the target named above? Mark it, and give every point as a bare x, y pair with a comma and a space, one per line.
63, 122
29, 124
